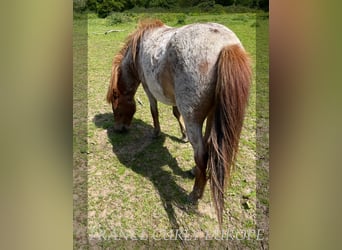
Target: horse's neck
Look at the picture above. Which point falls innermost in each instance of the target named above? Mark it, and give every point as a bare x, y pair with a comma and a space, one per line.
152, 45
129, 72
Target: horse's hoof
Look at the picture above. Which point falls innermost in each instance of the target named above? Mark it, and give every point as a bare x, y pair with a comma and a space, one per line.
121, 129
156, 134
184, 139
193, 171
193, 199
189, 174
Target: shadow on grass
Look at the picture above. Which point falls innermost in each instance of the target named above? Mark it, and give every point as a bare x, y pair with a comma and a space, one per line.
146, 156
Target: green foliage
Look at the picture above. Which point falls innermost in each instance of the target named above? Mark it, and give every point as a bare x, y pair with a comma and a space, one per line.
206, 6
104, 7
181, 19
140, 3
92, 5
263, 4
79, 5
225, 2
109, 6
247, 3
218, 9
118, 17
239, 9
162, 3
189, 3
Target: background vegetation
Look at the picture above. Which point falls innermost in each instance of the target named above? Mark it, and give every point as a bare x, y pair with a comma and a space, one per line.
104, 7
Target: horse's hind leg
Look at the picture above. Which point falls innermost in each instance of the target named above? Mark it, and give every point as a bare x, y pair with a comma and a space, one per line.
179, 117
194, 131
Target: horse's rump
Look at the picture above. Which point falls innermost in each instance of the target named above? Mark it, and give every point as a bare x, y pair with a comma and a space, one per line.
183, 60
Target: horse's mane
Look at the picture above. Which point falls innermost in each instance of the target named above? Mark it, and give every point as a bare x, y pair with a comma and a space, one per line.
131, 42
133, 39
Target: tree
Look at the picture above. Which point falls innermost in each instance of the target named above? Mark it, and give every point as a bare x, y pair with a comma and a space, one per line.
79, 5
92, 5
264, 5
105, 7
225, 2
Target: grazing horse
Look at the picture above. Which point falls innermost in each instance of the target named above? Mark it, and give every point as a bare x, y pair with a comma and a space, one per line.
203, 71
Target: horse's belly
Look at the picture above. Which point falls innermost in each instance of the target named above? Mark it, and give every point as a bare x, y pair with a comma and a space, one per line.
163, 92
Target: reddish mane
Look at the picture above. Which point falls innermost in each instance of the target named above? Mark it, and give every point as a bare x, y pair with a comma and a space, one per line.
132, 42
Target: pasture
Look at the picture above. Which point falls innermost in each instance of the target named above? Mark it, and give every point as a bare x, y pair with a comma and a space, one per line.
137, 186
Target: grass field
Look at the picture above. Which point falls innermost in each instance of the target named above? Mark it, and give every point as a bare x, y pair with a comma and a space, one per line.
137, 186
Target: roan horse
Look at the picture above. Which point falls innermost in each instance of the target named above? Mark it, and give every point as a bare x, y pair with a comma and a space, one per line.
203, 71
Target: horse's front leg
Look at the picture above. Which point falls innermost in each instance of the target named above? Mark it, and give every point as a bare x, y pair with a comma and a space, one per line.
179, 118
155, 116
154, 111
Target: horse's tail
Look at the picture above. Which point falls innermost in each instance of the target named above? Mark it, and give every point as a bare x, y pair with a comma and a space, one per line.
232, 88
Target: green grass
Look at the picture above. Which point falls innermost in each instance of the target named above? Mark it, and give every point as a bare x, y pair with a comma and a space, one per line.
138, 183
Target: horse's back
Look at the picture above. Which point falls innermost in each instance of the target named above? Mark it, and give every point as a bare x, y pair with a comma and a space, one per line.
202, 40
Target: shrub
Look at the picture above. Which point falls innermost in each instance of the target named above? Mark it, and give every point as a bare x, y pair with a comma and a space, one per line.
108, 6
92, 5
206, 6
79, 5
92, 15
218, 9
181, 19
239, 9
117, 18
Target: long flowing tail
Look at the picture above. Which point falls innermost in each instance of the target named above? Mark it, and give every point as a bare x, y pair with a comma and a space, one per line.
231, 97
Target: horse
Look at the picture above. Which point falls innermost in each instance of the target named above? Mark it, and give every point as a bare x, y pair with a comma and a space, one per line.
203, 71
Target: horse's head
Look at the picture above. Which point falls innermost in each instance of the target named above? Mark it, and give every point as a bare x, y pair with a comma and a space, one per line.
121, 91
125, 80
123, 108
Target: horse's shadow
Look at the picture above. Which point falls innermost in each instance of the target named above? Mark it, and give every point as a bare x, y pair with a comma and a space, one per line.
147, 156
